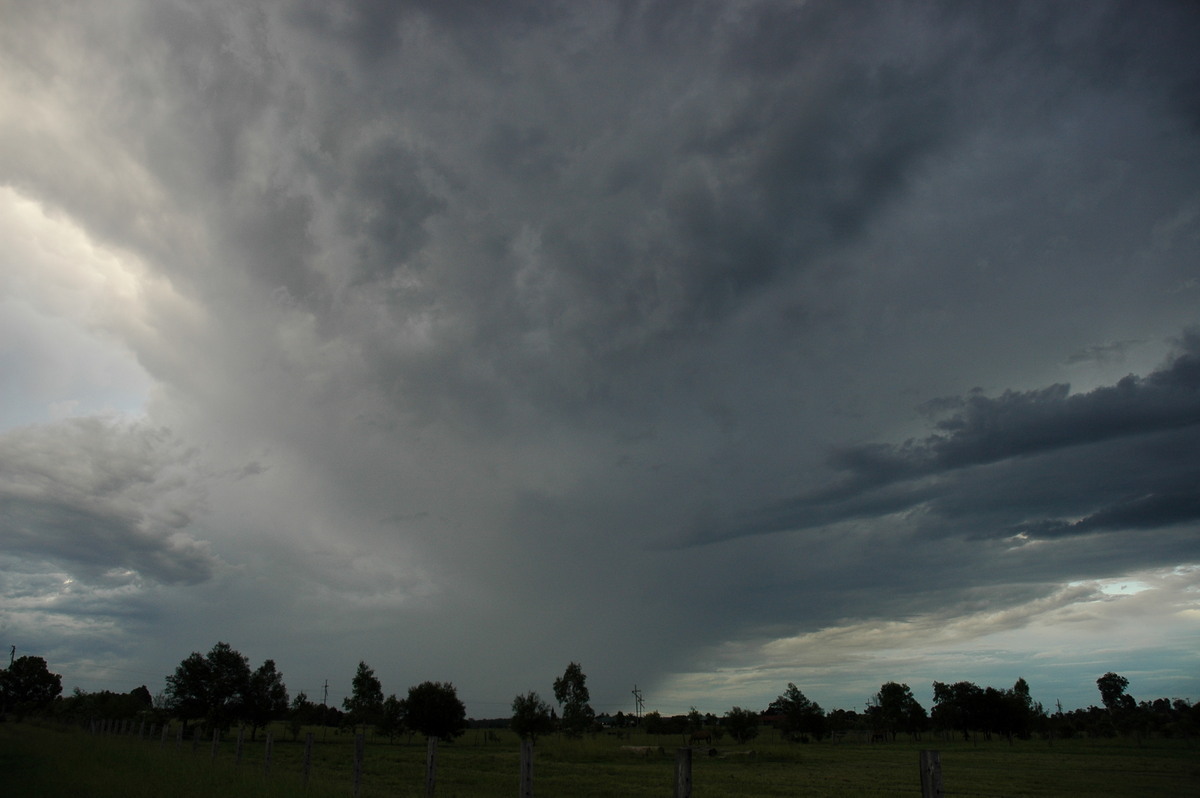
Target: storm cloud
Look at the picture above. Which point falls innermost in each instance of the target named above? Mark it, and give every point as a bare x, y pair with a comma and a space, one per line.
1142, 429
472, 339
99, 497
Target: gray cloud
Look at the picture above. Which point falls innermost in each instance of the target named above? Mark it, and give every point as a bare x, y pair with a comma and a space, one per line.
471, 308
100, 499
1143, 424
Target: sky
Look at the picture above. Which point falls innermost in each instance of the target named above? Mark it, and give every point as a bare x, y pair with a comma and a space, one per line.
710, 345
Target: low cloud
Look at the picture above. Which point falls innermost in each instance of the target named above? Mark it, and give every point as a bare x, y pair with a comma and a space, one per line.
101, 497
1018, 442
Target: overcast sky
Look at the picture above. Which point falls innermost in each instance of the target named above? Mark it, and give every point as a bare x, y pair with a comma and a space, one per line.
714, 346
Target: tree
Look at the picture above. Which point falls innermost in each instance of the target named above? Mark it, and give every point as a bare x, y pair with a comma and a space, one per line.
212, 687
27, 685
895, 710
365, 702
301, 712
966, 707
801, 717
266, 697
958, 706
742, 724
1025, 712
1112, 692
531, 717
391, 717
572, 695
142, 696
82, 706
433, 709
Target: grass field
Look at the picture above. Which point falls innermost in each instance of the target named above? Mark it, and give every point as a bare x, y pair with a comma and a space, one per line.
49, 761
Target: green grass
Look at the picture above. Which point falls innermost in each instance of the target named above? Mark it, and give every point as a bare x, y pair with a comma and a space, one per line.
39, 760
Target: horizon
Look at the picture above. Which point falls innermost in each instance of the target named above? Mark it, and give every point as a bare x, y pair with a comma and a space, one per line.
713, 346
922, 691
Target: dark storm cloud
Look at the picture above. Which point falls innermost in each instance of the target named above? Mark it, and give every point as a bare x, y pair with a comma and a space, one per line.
1103, 353
1024, 450
493, 297
616, 227
100, 498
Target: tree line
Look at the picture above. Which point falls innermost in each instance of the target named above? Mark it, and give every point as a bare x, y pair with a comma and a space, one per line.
962, 708
219, 689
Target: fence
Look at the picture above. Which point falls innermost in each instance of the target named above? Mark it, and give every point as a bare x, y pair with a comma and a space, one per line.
929, 764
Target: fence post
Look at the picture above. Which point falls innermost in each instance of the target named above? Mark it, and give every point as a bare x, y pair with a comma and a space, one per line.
527, 769
430, 766
308, 741
267, 756
359, 741
683, 773
241, 738
931, 774
216, 740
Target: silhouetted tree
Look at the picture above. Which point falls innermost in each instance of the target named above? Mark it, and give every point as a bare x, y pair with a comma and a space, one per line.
266, 697
365, 701
531, 716
742, 724
391, 717
897, 711
967, 708
301, 712
433, 709
1112, 692
27, 685
572, 695
83, 706
958, 706
801, 716
212, 686
142, 696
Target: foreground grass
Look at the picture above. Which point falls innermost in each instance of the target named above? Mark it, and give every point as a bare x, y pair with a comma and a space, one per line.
51, 761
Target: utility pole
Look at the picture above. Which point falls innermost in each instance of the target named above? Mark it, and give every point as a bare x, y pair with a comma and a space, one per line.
12, 655
324, 716
637, 702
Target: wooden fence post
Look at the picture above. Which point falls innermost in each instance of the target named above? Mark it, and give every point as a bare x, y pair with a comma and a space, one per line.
216, 741
308, 741
683, 773
430, 766
359, 741
527, 769
931, 775
267, 756
241, 739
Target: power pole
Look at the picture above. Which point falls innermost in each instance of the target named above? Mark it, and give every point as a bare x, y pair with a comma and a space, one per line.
324, 711
637, 702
